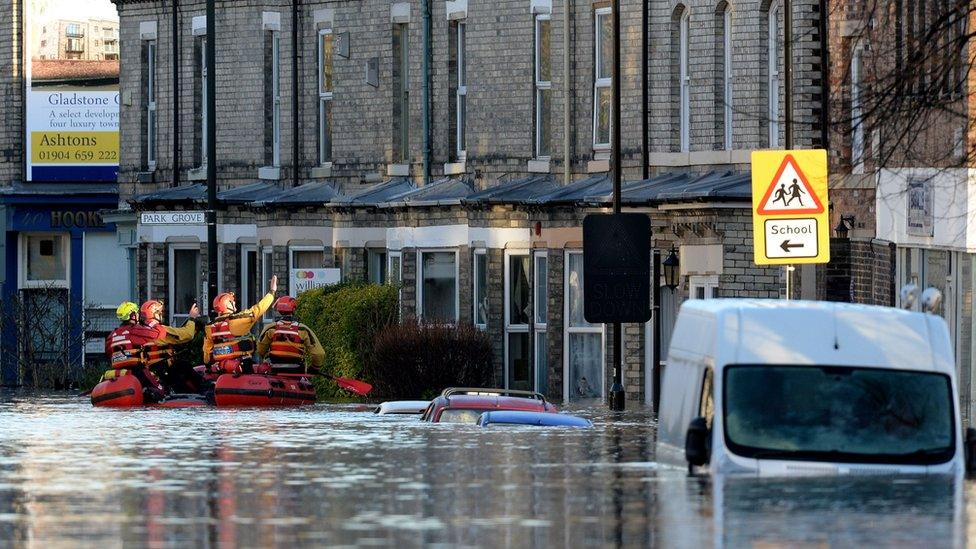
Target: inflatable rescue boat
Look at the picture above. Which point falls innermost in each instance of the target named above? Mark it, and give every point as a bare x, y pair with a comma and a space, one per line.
263, 390
125, 391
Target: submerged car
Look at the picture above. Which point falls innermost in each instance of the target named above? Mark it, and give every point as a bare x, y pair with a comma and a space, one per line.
402, 407
537, 419
775, 387
465, 405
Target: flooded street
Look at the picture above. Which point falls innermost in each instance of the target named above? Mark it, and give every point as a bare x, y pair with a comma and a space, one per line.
338, 475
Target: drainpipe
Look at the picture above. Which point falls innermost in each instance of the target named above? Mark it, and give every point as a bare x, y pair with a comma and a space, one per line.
645, 151
824, 76
296, 80
567, 167
176, 93
426, 90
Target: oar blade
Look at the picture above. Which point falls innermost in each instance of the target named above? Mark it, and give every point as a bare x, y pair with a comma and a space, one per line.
360, 388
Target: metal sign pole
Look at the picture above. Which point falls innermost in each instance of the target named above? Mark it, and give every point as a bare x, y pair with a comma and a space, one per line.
617, 396
211, 156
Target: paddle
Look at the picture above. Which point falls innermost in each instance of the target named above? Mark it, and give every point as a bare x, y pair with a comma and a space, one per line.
360, 388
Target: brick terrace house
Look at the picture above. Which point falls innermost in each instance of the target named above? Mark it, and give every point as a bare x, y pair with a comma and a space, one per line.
465, 177
902, 159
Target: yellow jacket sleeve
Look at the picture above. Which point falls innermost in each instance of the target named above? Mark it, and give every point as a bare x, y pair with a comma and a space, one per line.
256, 312
207, 345
314, 350
264, 342
177, 336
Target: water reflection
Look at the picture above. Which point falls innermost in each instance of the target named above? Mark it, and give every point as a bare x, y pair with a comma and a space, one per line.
332, 475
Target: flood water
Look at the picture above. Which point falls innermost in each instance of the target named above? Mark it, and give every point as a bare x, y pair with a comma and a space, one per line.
336, 475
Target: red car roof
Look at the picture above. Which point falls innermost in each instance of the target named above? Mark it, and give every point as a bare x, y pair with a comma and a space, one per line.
479, 402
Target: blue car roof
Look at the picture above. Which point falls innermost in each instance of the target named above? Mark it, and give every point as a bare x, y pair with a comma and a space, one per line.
545, 419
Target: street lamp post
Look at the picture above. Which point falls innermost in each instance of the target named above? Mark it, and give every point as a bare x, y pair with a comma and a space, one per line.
211, 156
617, 395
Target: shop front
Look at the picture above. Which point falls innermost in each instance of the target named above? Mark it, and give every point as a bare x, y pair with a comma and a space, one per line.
64, 276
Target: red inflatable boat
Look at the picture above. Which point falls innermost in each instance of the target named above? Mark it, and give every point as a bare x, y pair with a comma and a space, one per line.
125, 391
263, 390
120, 392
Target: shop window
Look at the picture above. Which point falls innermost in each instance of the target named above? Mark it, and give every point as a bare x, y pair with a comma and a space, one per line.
438, 295
45, 260
107, 271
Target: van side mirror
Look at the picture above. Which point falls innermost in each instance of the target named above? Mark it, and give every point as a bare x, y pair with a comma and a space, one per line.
969, 446
698, 444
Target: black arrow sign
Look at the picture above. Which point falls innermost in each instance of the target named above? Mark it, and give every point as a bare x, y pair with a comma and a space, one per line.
787, 246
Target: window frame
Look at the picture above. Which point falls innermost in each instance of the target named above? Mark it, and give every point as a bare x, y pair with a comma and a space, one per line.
275, 98
600, 83
857, 123
461, 99
707, 283
684, 82
569, 330
267, 271
171, 275
150, 90
325, 97
204, 76
773, 81
401, 94
541, 86
377, 258
727, 84
478, 253
245, 273
420, 283
22, 267
540, 328
512, 328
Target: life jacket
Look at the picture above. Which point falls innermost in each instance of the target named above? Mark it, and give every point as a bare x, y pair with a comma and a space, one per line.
226, 345
155, 352
127, 344
287, 345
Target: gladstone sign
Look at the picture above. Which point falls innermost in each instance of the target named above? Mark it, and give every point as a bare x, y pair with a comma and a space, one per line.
617, 268
72, 106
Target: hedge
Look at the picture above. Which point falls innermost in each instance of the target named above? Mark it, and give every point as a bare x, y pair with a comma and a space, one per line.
346, 318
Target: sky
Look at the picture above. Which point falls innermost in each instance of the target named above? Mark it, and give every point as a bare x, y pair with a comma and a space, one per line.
74, 9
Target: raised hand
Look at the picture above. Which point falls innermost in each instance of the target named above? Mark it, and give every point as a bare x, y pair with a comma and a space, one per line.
274, 283
194, 311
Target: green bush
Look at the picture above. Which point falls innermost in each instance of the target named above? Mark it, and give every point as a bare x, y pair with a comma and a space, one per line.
346, 318
414, 360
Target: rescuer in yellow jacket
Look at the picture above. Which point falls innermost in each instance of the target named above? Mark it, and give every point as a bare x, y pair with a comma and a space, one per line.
228, 342
287, 343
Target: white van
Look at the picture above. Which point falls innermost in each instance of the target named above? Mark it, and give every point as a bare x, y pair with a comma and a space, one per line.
774, 387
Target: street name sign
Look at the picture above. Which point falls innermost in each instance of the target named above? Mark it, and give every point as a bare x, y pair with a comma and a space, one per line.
173, 218
616, 268
789, 217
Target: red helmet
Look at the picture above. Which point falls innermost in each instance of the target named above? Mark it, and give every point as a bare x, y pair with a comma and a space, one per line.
286, 305
150, 309
224, 303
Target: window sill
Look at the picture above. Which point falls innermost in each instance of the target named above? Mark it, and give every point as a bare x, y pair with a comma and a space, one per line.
321, 172
454, 168
398, 170
598, 166
271, 173
539, 166
197, 174
148, 176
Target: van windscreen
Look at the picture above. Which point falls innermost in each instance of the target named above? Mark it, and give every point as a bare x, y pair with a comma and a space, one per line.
838, 414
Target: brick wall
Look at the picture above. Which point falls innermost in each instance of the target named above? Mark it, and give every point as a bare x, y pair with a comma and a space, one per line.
11, 93
500, 86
